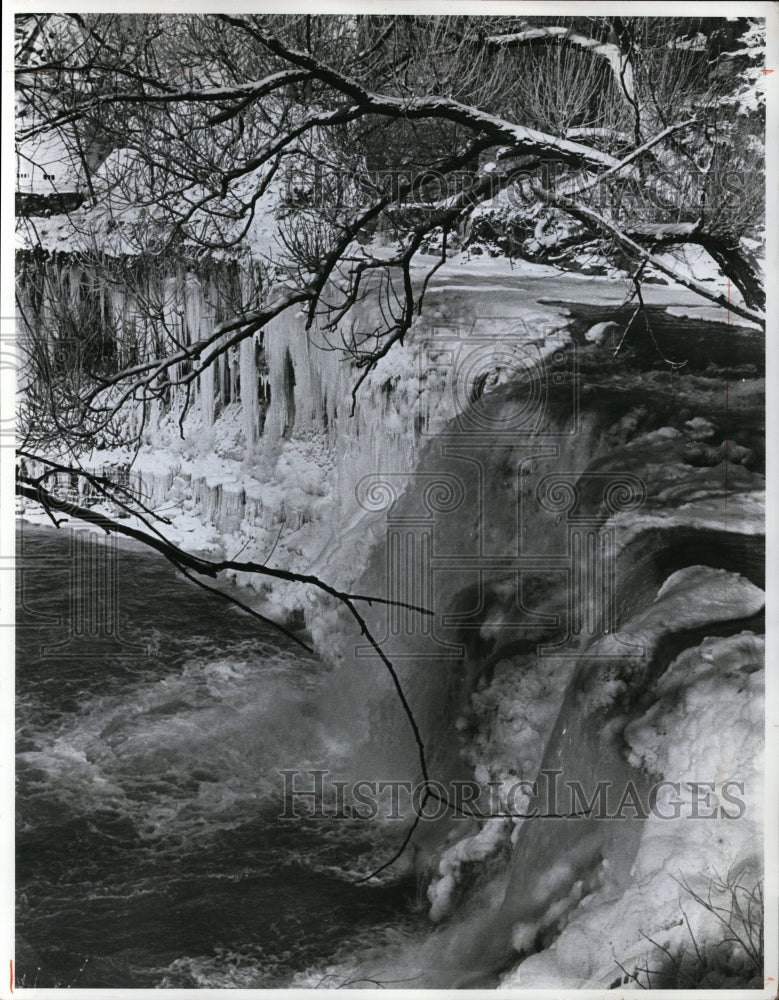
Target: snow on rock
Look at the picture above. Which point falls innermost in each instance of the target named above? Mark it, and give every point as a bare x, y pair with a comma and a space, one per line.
700, 429
476, 847
623, 715
680, 738
686, 738
600, 332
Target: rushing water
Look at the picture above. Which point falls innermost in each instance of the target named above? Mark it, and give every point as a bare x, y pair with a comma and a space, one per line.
150, 850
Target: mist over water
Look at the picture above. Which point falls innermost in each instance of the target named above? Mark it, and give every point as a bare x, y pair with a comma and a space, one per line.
150, 851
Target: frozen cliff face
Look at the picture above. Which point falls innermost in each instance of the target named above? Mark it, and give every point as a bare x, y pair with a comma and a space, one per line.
271, 429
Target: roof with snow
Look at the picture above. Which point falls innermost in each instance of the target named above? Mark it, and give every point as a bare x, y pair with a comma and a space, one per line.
45, 165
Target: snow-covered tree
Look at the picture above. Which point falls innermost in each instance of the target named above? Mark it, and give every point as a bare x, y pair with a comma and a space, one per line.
632, 135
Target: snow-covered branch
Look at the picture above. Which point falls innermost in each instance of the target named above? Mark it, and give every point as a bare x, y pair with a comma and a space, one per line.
678, 234
519, 138
618, 61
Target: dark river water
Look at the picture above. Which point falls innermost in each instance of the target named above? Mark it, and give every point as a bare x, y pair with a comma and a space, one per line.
152, 719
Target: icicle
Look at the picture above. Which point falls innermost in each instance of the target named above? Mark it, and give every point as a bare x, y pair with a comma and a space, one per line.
193, 307
249, 391
206, 383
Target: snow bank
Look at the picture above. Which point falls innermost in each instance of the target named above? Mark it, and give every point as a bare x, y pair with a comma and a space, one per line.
685, 736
